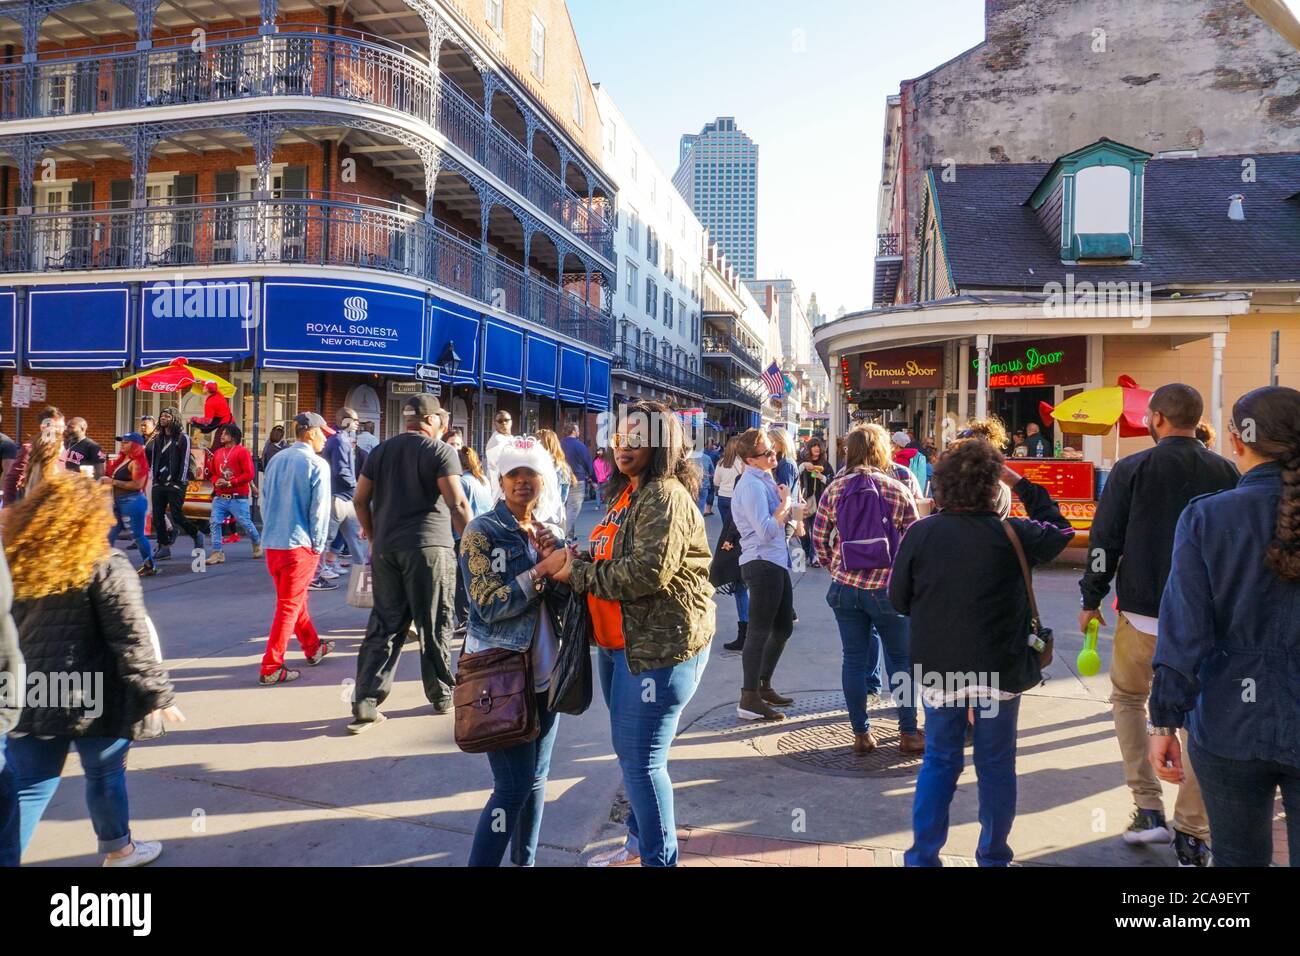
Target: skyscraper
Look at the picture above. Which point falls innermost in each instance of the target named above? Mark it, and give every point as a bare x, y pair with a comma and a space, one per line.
718, 176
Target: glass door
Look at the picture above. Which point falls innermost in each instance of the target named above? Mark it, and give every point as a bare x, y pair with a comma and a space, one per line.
279, 403
52, 237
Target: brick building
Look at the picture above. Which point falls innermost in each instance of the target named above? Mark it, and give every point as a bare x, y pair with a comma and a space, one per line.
312, 199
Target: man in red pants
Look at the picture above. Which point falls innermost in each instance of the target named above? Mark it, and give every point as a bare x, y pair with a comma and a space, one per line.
296, 516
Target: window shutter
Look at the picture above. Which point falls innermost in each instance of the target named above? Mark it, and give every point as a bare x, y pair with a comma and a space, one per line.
81, 198
184, 187
295, 182
227, 185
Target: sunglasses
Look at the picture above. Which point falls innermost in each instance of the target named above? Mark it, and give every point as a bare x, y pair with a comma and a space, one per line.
632, 442
770, 453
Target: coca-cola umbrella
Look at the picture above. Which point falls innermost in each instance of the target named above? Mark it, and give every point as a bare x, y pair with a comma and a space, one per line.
174, 377
1122, 407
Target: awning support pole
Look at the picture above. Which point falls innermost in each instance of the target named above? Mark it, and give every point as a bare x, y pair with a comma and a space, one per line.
982, 384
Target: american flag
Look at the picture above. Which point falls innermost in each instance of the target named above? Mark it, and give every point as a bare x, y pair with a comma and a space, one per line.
774, 381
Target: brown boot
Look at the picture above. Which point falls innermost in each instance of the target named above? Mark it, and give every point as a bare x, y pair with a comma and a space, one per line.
913, 743
772, 697
864, 743
753, 707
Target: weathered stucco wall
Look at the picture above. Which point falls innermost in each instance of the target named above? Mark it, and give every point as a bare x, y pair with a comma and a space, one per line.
1054, 75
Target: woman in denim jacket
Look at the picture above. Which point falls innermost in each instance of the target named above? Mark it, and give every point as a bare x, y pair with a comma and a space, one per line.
505, 557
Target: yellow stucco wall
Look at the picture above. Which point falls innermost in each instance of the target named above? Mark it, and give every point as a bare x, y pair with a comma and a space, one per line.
1152, 363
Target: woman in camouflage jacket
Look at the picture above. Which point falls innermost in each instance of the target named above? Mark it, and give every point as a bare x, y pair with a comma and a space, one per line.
646, 578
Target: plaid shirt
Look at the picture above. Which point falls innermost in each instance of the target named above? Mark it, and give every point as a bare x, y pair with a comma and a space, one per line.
825, 535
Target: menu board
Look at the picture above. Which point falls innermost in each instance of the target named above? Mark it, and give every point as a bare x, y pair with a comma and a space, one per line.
1064, 479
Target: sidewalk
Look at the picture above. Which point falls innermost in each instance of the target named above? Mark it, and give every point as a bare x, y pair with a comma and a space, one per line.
269, 776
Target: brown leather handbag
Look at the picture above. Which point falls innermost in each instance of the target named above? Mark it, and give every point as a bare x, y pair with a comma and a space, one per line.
495, 704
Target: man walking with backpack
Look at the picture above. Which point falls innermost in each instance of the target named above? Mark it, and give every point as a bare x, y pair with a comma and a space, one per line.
860, 521
1133, 534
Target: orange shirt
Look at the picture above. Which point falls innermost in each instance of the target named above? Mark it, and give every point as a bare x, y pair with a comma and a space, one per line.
606, 615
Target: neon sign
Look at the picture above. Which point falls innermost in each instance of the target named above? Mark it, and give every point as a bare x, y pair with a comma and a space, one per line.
1032, 359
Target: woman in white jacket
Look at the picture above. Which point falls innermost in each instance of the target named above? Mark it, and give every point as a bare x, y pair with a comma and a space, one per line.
730, 468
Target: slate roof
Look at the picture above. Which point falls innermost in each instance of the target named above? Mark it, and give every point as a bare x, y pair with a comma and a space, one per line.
994, 241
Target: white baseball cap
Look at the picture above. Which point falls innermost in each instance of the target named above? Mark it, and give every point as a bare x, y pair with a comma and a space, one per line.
901, 439
524, 453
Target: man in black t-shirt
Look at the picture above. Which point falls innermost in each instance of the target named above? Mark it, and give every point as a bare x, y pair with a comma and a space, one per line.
408, 500
81, 451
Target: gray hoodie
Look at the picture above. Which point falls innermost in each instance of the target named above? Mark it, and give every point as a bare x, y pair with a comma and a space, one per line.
13, 675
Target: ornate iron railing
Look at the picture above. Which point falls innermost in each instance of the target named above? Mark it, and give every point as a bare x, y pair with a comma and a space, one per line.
309, 228
889, 244
296, 61
727, 345
731, 391
656, 367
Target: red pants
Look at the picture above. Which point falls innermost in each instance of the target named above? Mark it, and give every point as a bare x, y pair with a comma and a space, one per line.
292, 571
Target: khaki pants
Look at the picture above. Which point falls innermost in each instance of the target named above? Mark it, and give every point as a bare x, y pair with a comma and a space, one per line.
1130, 679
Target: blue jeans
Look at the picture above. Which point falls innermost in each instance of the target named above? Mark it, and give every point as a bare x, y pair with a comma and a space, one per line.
1239, 796
39, 764
995, 771
867, 621
344, 521
513, 814
131, 510
221, 508
738, 589
643, 731
10, 844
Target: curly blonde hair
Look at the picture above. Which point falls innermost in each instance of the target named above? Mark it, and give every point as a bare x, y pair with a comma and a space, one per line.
56, 535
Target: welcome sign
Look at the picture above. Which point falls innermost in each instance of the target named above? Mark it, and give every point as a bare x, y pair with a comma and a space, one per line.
342, 325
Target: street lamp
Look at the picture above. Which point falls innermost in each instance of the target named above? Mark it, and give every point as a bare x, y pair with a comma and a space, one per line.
450, 363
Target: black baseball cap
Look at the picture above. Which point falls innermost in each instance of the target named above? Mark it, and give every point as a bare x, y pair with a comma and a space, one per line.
312, 420
422, 406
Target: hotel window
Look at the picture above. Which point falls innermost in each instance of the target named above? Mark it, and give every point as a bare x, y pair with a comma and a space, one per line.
668, 308
493, 14
634, 165
651, 297
631, 282
634, 230
537, 49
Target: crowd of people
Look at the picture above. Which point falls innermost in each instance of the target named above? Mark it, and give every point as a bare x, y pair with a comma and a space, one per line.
930, 575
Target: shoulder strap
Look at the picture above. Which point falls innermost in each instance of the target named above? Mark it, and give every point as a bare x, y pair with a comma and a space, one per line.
1027, 574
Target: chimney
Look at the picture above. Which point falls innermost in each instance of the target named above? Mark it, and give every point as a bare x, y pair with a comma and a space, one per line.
1236, 209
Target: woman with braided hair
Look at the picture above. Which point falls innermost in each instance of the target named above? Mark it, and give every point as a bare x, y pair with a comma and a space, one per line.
1227, 659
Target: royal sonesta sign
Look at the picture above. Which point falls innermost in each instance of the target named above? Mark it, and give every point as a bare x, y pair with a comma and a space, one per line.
1032, 364
902, 368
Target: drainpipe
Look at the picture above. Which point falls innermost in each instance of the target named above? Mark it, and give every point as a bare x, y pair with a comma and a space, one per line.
1217, 342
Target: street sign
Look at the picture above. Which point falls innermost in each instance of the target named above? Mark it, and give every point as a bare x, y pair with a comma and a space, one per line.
428, 373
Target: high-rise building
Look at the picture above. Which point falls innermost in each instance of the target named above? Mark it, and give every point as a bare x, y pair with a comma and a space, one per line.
718, 176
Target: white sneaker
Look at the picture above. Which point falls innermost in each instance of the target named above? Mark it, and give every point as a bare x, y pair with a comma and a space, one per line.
143, 852
619, 857
328, 573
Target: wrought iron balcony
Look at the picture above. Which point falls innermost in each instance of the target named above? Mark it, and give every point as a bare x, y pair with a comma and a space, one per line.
299, 60
643, 362
313, 228
889, 244
748, 396
716, 345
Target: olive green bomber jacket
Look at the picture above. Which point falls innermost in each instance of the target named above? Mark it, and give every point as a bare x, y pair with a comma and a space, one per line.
659, 572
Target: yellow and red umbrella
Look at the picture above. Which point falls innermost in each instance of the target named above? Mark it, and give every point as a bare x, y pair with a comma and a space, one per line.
1097, 411
176, 376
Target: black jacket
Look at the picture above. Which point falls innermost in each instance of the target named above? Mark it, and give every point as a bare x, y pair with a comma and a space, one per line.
101, 631
958, 578
1133, 530
169, 459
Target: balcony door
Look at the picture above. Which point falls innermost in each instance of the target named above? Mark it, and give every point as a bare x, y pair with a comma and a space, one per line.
52, 232
285, 223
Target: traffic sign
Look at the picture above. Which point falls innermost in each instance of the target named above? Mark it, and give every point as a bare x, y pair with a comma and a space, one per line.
428, 373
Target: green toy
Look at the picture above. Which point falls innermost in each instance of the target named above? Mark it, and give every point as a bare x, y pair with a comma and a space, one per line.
1089, 661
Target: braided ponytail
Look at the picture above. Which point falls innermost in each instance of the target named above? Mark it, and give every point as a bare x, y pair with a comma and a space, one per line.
1270, 419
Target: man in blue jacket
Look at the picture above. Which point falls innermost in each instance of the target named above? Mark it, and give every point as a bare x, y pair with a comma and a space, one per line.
578, 455
341, 453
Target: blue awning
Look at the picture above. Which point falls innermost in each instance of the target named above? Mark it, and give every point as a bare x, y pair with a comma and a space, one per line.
503, 357
543, 354
8, 328
209, 320
597, 383
336, 326
78, 327
573, 375
460, 326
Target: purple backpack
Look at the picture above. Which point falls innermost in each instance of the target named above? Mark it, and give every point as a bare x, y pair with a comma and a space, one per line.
864, 520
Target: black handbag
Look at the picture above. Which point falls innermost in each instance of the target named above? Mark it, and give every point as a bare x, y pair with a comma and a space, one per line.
724, 569
571, 679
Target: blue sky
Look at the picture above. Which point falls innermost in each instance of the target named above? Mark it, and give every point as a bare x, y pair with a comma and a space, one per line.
806, 80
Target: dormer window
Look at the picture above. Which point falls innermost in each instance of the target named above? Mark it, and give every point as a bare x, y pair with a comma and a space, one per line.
1090, 203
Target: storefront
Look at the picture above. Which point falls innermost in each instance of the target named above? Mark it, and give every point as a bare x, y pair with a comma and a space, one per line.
297, 343
1027, 374
888, 386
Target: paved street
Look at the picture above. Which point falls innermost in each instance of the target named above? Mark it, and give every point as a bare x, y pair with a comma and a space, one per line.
268, 776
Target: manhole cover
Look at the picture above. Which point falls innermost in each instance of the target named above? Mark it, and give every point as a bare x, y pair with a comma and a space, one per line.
826, 746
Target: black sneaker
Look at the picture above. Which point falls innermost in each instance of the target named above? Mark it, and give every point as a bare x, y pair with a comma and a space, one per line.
1190, 850
1148, 826
147, 570
320, 584
162, 554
